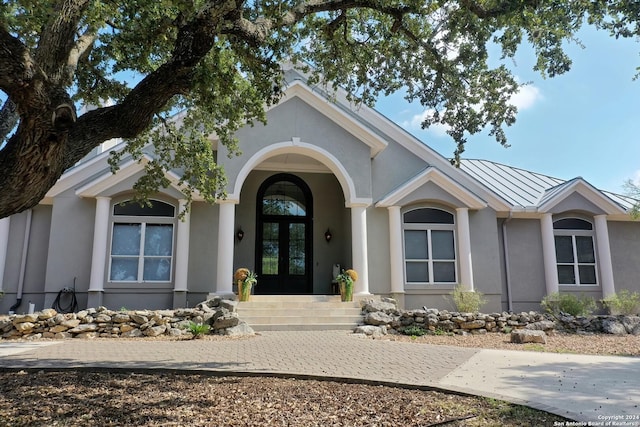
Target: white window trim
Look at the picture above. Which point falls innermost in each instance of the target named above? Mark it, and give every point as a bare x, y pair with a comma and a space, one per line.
143, 221
576, 271
429, 227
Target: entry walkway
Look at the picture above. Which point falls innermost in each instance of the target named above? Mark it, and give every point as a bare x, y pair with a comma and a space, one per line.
583, 388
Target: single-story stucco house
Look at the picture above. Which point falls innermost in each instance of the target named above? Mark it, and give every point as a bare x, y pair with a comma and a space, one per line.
322, 184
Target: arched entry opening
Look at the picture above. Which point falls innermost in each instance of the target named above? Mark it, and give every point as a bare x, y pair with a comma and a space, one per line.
284, 236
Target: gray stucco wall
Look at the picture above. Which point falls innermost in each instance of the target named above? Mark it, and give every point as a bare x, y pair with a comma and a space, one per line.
378, 251
624, 240
296, 118
391, 168
203, 250
36, 261
577, 203
70, 246
524, 240
486, 256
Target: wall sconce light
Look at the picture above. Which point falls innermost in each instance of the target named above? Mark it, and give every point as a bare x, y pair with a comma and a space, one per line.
240, 234
328, 236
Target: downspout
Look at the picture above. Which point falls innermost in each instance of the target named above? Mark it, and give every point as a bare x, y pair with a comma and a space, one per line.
23, 262
505, 255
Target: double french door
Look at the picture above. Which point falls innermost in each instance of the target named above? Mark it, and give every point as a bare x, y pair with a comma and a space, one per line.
284, 240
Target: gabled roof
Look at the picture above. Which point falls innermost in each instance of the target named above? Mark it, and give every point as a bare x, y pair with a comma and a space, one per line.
432, 174
531, 191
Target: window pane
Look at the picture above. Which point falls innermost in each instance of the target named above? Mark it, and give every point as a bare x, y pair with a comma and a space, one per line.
124, 269
587, 274
444, 272
158, 239
564, 249
584, 247
157, 208
428, 216
284, 198
296, 249
442, 244
270, 248
415, 244
566, 275
417, 272
572, 224
126, 239
157, 269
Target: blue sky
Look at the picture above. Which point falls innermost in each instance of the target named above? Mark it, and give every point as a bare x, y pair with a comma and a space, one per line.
584, 123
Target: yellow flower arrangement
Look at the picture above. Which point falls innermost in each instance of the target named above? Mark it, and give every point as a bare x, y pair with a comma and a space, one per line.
245, 279
346, 280
352, 274
241, 274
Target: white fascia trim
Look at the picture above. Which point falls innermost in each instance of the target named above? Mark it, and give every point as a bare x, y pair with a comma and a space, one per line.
587, 191
432, 174
127, 170
108, 179
80, 172
299, 89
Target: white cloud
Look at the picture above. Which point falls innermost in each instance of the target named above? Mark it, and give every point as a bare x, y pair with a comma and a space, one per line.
524, 99
415, 123
636, 178
526, 96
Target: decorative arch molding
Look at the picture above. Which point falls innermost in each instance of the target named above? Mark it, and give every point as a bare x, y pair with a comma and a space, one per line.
295, 146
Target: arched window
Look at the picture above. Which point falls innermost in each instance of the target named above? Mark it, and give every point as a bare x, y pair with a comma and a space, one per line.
429, 246
142, 242
575, 252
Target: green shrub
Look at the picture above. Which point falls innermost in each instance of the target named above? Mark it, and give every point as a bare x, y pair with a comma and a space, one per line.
623, 302
414, 331
198, 329
556, 303
467, 301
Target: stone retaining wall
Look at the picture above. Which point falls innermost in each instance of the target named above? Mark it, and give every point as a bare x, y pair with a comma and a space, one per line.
381, 317
385, 313
101, 322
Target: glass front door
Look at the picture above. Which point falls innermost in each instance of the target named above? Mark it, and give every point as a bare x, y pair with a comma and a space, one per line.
283, 250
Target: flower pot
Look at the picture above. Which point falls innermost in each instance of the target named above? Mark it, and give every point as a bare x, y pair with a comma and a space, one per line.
346, 292
244, 290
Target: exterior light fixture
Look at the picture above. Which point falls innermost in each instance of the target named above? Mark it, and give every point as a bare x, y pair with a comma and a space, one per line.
240, 234
327, 235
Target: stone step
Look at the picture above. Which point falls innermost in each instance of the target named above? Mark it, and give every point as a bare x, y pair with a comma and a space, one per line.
300, 312
300, 320
297, 311
304, 327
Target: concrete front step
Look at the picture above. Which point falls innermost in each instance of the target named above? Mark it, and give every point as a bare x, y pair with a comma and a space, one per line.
299, 312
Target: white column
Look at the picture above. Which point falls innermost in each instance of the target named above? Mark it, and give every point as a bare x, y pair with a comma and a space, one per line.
359, 248
604, 256
464, 248
182, 249
100, 238
549, 253
395, 248
4, 243
226, 221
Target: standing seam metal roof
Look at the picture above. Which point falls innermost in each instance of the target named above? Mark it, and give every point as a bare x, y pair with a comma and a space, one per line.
524, 188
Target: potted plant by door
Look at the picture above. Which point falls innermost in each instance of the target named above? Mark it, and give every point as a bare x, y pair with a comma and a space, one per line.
346, 280
246, 280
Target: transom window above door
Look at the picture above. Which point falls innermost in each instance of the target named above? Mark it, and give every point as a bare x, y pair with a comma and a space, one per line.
575, 252
429, 246
284, 198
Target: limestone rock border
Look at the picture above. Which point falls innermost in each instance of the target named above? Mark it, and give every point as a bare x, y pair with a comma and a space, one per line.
101, 322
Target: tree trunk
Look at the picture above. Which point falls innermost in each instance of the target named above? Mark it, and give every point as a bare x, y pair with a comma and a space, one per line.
31, 163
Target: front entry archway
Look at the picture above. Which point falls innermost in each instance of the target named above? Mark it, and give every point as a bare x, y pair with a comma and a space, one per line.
284, 236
